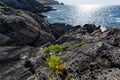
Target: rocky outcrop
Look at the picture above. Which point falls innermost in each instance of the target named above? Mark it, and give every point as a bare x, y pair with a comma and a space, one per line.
60, 29
102, 75
80, 34
94, 59
22, 28
113, 37
29, 5
87, 52
49, 2
18, 62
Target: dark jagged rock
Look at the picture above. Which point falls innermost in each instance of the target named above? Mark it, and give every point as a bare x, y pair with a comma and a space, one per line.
112, 37
19, 62
62, 3
49, 2
113, 55
102, 75
29, 5
88, 53
89, 27
59, 29
22, 28
78, 35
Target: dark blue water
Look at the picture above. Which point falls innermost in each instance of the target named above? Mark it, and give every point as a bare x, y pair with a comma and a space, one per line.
106, 16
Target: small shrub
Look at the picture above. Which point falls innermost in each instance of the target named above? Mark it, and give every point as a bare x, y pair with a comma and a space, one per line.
53, 49
56, 64
80, 44
21, 14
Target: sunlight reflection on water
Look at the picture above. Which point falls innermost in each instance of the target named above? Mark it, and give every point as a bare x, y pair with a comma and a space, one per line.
107, 16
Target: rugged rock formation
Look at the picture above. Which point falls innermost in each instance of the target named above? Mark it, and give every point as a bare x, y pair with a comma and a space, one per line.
97, 59
29, 5
60, 29
49, 2
22, 28
16, 62
88, 53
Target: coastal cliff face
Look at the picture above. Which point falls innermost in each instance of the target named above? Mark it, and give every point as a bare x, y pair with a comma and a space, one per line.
19, 27
49, 2
29, 5
29, 45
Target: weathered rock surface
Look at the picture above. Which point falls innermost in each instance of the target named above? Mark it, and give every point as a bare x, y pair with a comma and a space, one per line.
113, 37
49, 2
108, 74
60, 29
79, 34
22, 28
88, 53
29, 5
19, 62
95, 60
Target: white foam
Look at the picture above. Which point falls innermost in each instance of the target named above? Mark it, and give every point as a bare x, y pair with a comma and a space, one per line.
49, 17
103, 29
58, 10
117, 19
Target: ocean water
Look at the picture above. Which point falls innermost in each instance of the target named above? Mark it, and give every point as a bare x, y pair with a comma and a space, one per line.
106, 16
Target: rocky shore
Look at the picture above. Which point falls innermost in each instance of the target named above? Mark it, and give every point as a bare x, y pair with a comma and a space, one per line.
33, 49
27, 5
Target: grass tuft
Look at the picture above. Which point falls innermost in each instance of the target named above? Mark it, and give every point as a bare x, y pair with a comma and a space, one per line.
53, 49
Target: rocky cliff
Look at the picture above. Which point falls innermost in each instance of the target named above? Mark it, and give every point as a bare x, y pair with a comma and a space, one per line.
49, 2
32, 49
19, 27
29, 5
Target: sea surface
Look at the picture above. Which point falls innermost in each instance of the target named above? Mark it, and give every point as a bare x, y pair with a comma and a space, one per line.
106, 16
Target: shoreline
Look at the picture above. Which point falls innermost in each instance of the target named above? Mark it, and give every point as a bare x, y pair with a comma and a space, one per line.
33, 49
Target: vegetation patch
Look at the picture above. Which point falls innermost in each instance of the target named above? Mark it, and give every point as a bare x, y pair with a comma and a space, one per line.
21, 14
80, 44
56, 64
53, 49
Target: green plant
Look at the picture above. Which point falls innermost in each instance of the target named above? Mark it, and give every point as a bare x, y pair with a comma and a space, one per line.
56, 64
21, 14
82, 43
53, 49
